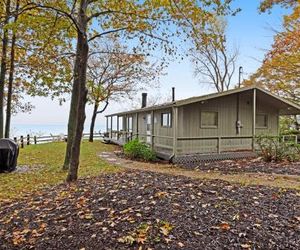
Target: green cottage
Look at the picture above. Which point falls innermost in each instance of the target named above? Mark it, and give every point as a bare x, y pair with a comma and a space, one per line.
215, 126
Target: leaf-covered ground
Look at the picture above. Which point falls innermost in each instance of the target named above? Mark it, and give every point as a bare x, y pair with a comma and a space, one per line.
248, 165
146, 210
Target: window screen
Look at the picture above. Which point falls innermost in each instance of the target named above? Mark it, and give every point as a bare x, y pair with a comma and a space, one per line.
209, 119
166, 120
261, 120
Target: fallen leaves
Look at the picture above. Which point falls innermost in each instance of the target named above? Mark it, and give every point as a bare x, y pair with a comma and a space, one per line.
151, 211
223, 226
245, 246
166, 228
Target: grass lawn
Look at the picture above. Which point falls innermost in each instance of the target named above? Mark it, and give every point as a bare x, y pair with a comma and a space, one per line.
45, 161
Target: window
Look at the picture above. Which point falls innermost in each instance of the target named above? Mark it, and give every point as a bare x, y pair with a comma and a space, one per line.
166, 120
129, 124
261, 121
209, 119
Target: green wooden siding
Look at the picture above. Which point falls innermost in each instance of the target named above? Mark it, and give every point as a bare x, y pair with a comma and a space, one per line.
190, 132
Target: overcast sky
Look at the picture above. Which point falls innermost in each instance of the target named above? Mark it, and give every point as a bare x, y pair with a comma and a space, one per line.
249, 31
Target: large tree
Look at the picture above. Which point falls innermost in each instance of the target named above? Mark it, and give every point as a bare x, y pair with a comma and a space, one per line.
150, 24
114, 73
214, 63
35, 60
280, 70
5, 13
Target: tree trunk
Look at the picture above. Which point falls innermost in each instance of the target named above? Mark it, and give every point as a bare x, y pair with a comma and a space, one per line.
80, 94
91, 139
11, 77
71, 122
73, 104
3, 66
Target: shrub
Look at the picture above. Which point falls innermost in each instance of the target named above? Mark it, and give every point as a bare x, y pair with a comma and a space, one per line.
139, 150
273, 149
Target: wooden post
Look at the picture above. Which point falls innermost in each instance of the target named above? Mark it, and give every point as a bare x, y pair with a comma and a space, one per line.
219, 145
125, 127
34, 139
118, 136
28, 140
106, 125
152, 130
22, 141
254, 120
175, 132
111, 127
238, 129
137, 125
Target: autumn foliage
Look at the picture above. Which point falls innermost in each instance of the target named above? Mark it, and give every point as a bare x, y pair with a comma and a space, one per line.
280, 71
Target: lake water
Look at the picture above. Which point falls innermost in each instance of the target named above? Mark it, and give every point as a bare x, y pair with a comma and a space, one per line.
44, 129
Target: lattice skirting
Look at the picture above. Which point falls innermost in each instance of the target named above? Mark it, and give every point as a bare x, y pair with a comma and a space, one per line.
193, 160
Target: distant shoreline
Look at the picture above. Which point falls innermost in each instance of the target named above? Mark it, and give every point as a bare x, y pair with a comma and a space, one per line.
44, 129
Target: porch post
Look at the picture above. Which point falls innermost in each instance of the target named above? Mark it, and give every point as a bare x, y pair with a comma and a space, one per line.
118, 127
106, 124
254, 120
126, 128
152, 129
175, 132
111, 127
137, 125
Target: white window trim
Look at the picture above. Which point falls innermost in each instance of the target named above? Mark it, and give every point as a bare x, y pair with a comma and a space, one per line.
169, 122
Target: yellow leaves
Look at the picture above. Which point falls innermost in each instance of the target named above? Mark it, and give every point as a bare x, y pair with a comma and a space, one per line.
139, 236
160, 195
166, 228
127, 240
142, 233
89, 216
280, 69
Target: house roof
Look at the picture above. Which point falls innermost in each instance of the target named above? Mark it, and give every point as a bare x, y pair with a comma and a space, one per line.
286, 107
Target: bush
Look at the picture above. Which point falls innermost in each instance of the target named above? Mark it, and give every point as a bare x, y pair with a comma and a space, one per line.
139, 150
273, 149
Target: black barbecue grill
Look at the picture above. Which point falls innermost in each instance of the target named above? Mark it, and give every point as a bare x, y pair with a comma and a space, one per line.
9, 151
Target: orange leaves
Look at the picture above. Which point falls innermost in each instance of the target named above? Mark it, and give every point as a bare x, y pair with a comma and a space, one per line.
224, 226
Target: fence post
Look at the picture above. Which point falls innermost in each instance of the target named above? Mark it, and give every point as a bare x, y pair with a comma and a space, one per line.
34, 139
22, 141
28, 140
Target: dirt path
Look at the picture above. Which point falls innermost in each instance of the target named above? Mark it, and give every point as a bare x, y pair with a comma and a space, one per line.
273, 180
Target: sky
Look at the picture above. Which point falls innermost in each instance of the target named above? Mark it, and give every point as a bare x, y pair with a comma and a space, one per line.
250, 31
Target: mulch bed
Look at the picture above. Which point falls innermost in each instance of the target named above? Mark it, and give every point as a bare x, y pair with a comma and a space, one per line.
143, 210
248, 165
